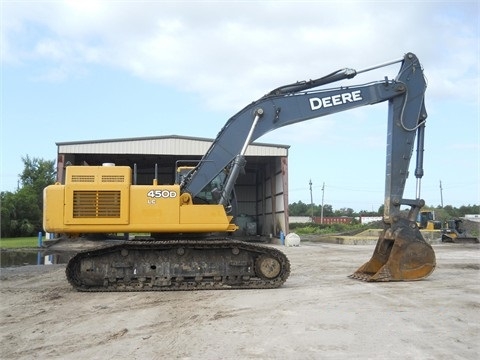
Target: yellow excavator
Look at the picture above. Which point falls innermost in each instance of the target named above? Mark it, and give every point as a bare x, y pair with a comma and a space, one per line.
455, 232
187, 247
426, 220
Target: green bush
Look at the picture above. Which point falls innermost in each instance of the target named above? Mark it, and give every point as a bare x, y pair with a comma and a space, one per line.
321, 229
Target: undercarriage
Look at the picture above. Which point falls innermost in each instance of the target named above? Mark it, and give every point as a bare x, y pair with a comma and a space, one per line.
178, 265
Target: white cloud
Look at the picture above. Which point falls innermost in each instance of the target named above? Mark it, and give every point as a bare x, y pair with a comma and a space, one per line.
230, 53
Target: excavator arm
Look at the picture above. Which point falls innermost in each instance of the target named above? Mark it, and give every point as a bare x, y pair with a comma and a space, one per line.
401, 253
291, 104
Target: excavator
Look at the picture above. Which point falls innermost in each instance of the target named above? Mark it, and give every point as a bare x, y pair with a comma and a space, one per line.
189, 248
454, 232
426, 220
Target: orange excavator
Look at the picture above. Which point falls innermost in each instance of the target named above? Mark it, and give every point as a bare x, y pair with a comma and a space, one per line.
182, 253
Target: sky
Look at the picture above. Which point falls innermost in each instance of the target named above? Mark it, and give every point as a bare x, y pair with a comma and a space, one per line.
92, 70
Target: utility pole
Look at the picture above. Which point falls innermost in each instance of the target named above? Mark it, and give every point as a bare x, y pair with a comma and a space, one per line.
441, 194
323, 196
311, 198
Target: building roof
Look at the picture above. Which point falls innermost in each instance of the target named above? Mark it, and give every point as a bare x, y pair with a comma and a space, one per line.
166, 145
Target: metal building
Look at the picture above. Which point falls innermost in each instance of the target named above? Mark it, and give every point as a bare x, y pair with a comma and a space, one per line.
262, 191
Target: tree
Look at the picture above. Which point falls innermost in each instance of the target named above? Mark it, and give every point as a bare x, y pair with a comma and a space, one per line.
302, 209
327, 210
441, 213
344, 212
37, 175
8, 202
381, 209
369, 213
299, 209
22, 211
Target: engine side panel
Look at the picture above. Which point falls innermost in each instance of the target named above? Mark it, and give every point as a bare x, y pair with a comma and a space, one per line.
99, 199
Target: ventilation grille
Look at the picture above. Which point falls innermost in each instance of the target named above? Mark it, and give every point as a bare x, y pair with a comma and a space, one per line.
91, 179
113, 178
83, 178
96, 204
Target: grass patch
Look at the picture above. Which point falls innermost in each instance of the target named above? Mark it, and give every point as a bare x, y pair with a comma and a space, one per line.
20, 242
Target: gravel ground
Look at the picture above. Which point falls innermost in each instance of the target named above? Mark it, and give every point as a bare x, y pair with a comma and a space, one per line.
319, 313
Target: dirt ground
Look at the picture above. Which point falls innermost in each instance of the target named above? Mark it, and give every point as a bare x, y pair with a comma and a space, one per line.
319, 313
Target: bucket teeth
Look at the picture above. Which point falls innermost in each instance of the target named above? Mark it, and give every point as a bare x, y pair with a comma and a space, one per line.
360, 276
382, 275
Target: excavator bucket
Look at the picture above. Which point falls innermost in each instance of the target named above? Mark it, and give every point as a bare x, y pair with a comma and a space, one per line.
401, 254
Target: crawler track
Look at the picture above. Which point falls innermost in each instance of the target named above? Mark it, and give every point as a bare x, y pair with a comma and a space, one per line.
178, 265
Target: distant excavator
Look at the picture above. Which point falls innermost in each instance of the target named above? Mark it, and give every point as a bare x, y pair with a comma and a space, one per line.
102, 200
454, 232
426, 220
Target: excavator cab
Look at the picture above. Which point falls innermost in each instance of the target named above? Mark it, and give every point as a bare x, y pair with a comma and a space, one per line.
181, 173
426, 220
211, 193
